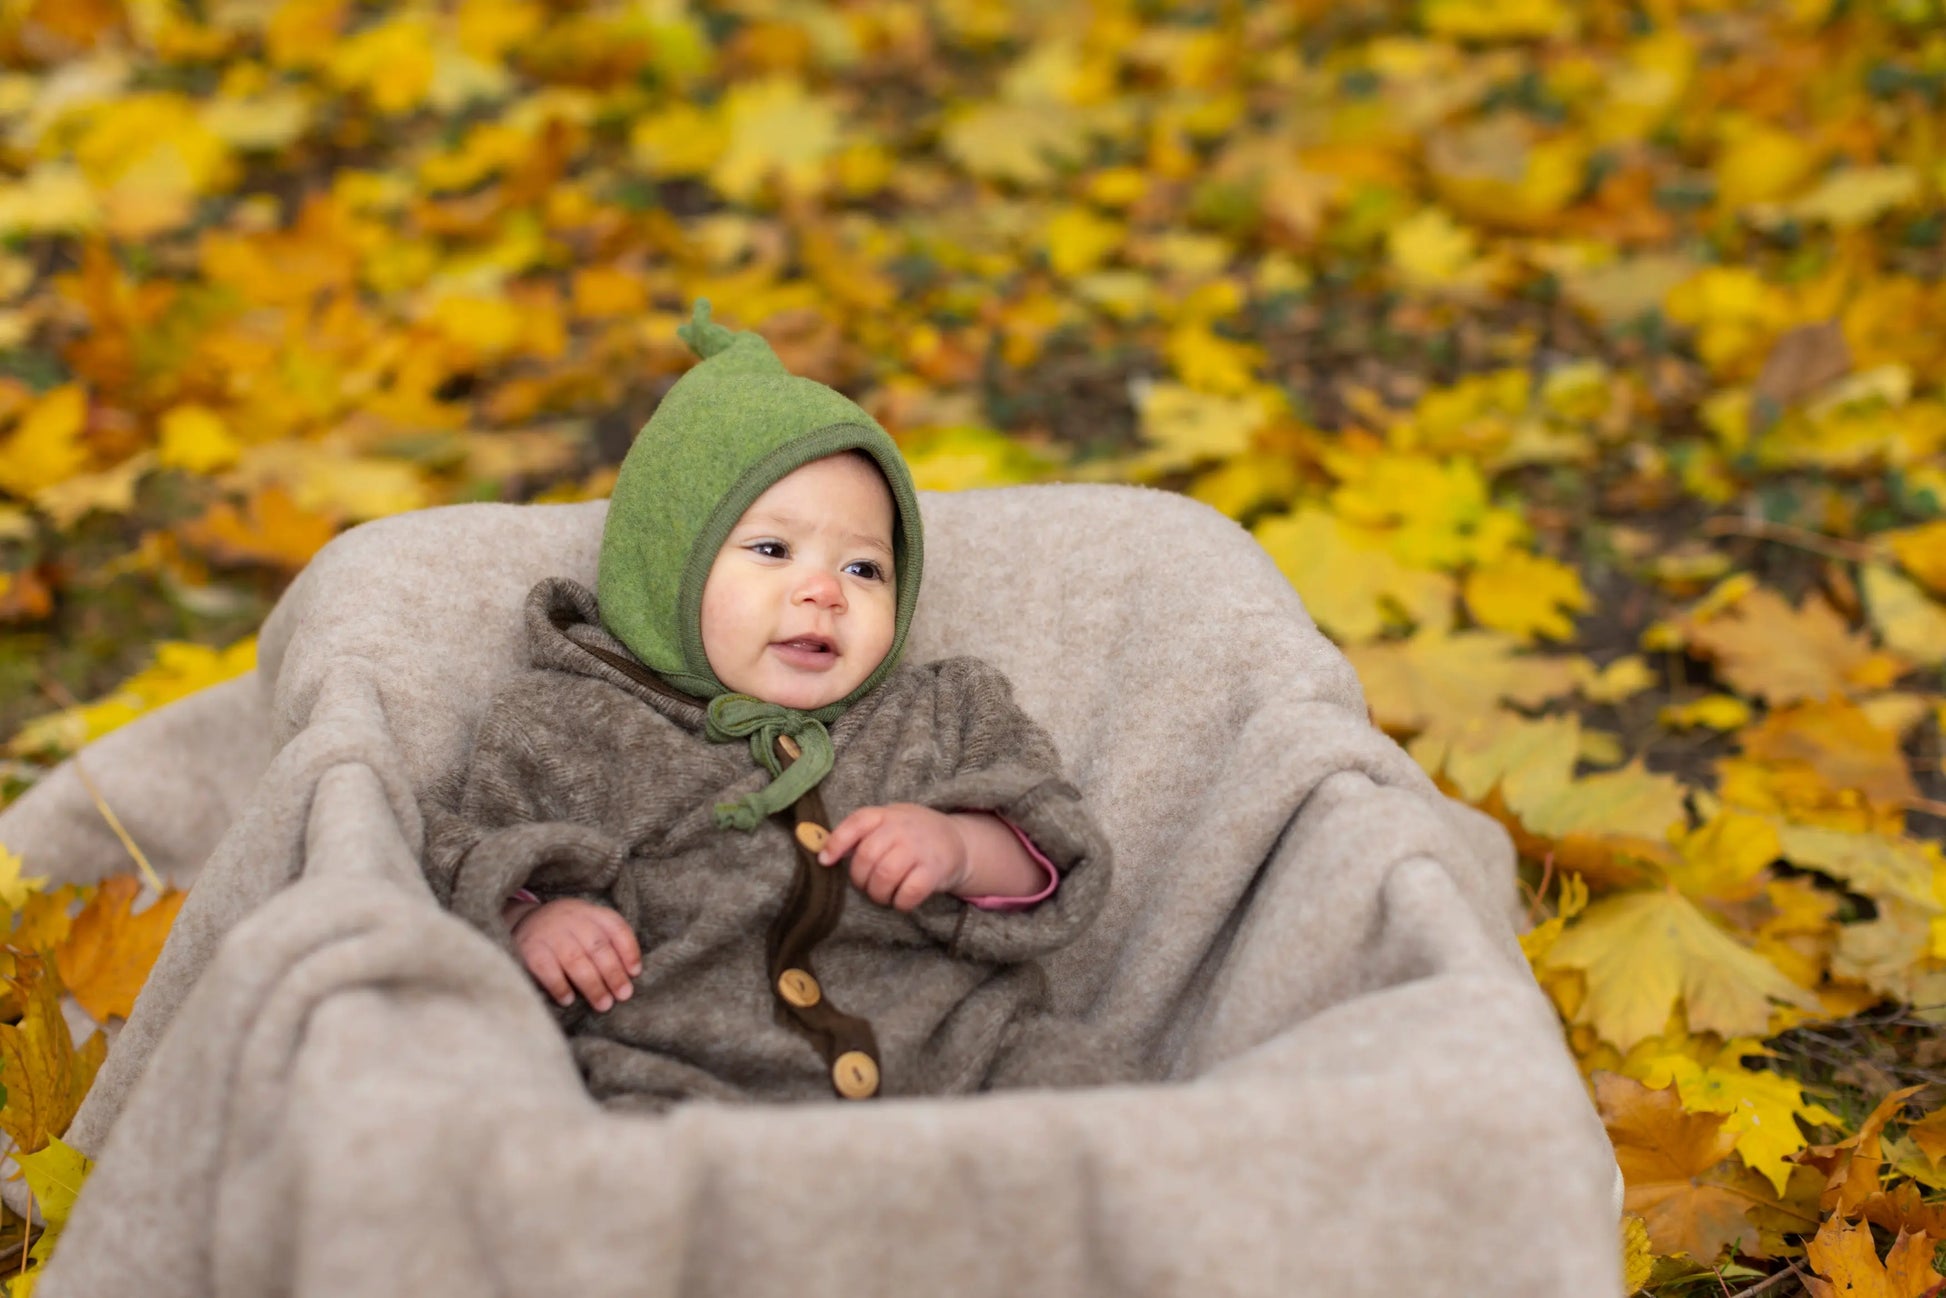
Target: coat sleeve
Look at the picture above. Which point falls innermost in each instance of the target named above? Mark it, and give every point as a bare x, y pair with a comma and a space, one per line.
1006, 763
517, 813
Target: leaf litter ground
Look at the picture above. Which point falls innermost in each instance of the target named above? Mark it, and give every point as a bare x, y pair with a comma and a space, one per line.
1579, 363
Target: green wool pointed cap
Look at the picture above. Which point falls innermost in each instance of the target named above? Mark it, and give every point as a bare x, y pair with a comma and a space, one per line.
729, 428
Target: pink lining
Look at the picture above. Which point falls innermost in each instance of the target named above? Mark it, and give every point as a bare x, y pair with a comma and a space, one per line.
1020, 903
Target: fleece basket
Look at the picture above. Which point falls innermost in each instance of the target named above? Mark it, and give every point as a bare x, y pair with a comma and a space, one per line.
331, 1086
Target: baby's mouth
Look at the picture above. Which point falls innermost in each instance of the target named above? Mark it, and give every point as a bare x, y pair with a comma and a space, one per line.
809, 644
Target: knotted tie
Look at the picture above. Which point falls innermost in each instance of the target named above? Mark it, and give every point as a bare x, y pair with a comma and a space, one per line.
732, 716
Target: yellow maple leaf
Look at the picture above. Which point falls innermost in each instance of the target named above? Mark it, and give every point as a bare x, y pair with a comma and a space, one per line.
1437, 677
1872, 864
1761, 1107
45, 448
1910, 624
1725, 858
1434, 513
1619, 681
1759, 163
1528, 759
112, 491
53, 198
1078, 241
1845, 1259
1248, 483
55, 1174
44, 1074
1735, 313
1525, 595
179, 669
965, 456
1715, 711
1354, 589
15, 889
1187, 427
774, 131
1498, 19
1638, 1259
1922, 552
1020, 142
1502, 172
1854, 196
335, 481
1763, 646
390, 62
1430, 250
108, 952
680, 140
1643, 952
1209, 363
194, 438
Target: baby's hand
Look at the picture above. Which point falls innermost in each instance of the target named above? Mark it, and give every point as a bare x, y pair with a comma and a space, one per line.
902, 853
569, 941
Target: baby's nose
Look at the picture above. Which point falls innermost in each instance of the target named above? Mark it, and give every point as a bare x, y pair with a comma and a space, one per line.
822, 588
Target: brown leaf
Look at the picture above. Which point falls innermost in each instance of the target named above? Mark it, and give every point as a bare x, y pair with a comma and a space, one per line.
44, 1074
25, 596
1800, 363
108, 953
1669, 1161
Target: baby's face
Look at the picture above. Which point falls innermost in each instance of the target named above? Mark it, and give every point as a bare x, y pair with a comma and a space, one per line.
801, 602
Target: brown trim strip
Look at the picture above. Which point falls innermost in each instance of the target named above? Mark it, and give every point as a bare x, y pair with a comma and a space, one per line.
810, 912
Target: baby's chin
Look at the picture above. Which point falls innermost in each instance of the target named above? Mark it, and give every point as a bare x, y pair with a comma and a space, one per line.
804, 696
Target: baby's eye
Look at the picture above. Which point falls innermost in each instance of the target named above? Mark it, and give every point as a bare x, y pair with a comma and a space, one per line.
870, 571
770, 549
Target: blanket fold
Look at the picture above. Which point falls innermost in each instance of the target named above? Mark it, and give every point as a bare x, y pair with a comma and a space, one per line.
1347, 1083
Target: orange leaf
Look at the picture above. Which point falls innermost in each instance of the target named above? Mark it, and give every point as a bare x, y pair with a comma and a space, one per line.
1929, 1133
274, 530
1901, 1209
1838, 741
108, 953
44, 1074
1848, 1260
1668, 1160
1851, 1166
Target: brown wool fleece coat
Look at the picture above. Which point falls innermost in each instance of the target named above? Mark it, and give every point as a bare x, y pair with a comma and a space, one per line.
584, 782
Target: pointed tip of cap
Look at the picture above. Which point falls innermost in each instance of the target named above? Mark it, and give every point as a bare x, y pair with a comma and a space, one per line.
705, 337
740, 349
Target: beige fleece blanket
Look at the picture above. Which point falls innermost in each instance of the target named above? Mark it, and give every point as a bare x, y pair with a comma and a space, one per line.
332, 1087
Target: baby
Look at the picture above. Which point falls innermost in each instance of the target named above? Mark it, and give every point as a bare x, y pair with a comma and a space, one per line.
664, 815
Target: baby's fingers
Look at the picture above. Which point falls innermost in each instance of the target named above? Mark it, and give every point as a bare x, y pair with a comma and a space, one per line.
622, 938
548, 973
849, 832
596, 973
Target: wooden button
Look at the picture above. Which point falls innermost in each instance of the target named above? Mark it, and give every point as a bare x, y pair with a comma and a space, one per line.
799, 988
855, 1074
813, 835
789, 745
